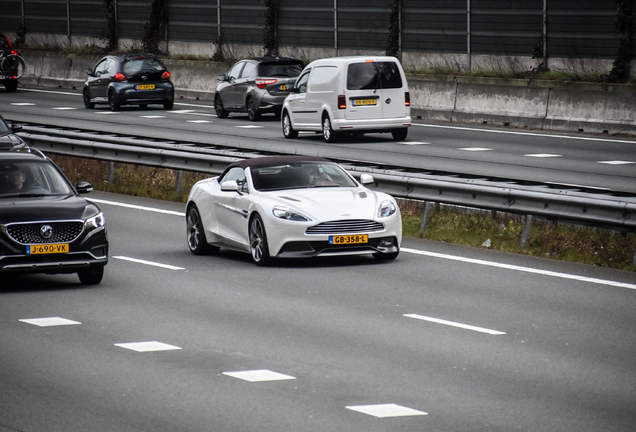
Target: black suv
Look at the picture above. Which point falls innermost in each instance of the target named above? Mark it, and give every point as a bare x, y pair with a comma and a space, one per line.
256, 86
45, 225
136, 79
8, 139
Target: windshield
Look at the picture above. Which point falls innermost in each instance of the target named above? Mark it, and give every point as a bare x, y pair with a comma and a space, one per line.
375, 75
4, 129
31, 178
302, 175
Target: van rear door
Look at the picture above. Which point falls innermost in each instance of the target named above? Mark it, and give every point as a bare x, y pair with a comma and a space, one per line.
364, 92
393, 90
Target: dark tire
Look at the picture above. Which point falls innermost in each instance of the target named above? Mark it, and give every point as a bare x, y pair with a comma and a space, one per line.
195, 234
92, 276
258, 241
400, 134
11, 86
288, 129
87, 100
168, 104
252, 111
327, 131
218, 107
386, 256
113, 102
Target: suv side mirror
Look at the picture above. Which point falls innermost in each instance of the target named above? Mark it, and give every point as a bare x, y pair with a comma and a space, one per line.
16, 127
83, 187
90, 72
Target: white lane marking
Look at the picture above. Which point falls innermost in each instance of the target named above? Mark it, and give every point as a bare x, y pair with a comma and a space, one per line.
49, 322
250, 127
198, 121
259, 375
137, 207
153, 116
413, 143
533, 134
475, 149
150, 263
63, 108
616, 162
455, 324
386, 410
180, 111
543, 155
22, 104
147, 346
51, 91
107, 112
521, 269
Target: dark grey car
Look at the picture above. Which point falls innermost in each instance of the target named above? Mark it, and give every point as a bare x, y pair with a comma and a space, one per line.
136, 79
8, 139
256, 86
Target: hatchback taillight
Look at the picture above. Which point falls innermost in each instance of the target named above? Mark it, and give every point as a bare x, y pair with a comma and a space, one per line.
407, 99
342, 102
120, 77
261, 83
165, 75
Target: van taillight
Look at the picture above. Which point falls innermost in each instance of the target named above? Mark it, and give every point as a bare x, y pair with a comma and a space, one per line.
407, 99
165, 75
261, 83
342, 102
120, 77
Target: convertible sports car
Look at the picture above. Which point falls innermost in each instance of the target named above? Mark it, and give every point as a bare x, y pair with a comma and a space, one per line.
291, 206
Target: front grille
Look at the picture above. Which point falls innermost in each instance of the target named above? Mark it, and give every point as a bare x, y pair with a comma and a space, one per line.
30, 233
345, 227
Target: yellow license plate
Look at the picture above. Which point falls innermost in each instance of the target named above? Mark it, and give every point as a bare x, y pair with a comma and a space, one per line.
359, 102
349, 239
282, 87
47, 249
145, 87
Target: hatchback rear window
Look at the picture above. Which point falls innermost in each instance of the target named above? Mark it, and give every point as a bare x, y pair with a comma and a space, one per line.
279, 69
375, 75
146, 65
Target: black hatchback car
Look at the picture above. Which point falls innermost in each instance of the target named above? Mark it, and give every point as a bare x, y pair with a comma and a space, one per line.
45, 225
136, 79
256, 86
8, 139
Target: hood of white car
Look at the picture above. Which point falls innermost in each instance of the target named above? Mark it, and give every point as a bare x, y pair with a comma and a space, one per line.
325, 204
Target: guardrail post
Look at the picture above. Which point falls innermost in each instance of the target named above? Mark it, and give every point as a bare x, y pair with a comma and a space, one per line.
526, 232
179, 181
111, 172
427, 207
634, 259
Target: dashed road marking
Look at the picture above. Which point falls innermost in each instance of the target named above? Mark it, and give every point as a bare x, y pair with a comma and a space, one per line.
475, 149
147, 346
150, 263
616, 162
259, 375
543, 155
386, 410
455, 324
49, 322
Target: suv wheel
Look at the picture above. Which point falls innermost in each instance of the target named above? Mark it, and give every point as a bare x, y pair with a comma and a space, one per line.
218, 107
252, 112
92, 276
288, 129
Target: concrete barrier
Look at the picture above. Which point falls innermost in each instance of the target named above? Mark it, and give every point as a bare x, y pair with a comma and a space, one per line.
587, 107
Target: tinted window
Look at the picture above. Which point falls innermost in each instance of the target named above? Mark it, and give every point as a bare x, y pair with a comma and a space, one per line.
302, 175
235, 71
376, 75
280, 69
31, 178
146, 65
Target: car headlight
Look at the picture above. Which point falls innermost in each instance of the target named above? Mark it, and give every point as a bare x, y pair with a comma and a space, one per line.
95, 222
285, 213
387, 208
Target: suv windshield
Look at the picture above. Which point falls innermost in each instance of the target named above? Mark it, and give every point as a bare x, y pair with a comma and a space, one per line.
280, 69
142, 65
31, 178
4, 129
364, 76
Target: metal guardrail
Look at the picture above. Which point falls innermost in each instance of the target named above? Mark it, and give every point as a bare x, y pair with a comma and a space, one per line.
604, 211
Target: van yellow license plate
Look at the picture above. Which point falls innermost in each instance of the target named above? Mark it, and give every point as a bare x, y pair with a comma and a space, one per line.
47, 249
361, 102
349, 239
145, 87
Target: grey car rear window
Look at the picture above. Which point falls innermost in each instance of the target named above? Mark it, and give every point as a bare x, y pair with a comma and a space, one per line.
373, 75
280, 69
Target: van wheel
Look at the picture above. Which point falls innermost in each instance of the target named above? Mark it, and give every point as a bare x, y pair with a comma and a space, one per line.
218, 107
288, 129
252, 111
400, 134
327, 132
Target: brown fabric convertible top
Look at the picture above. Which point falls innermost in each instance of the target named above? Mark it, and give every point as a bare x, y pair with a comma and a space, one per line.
273, 161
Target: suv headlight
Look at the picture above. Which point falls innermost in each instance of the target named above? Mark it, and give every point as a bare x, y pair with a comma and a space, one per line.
386, 209
95, 222
285, 213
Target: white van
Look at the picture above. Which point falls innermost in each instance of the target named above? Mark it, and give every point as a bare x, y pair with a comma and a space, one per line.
352, 95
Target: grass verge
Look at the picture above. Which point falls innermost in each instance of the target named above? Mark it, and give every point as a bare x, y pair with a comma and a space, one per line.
448, 224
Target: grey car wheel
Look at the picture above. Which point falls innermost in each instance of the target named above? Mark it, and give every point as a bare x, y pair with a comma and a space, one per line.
252, 111
218, 107
113, 102
87, 100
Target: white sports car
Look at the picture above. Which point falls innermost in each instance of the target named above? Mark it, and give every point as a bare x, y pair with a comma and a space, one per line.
291, 206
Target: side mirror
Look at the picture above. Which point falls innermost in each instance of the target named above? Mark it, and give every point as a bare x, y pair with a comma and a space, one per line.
90, 72
83, 187
223, 78
16, 127
366, 179
229, 186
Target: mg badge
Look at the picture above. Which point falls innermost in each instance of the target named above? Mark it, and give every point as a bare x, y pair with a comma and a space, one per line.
46, 231
387, 101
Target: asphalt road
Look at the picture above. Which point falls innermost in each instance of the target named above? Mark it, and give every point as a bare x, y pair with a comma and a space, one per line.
445, 339
603, 162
